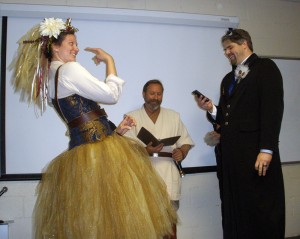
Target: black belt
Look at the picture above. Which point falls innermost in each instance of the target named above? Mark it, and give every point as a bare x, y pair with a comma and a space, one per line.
89, 116
169, 155
161, 154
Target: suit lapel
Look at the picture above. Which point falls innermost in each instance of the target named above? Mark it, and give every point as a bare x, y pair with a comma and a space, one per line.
239, 87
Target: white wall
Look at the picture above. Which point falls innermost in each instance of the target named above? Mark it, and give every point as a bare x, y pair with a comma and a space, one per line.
275, 29
273, 24
199, 207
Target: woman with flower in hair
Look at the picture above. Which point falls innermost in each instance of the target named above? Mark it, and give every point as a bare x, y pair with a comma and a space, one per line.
103, 186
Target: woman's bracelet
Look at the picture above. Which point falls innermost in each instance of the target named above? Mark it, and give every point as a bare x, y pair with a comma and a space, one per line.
117, 132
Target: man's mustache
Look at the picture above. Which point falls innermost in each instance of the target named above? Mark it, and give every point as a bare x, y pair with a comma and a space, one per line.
154, 101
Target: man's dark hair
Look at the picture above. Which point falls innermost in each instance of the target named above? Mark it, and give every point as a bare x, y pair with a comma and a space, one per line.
150, 82
238, 36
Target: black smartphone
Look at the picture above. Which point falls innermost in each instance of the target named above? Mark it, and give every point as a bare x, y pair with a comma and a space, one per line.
198, 94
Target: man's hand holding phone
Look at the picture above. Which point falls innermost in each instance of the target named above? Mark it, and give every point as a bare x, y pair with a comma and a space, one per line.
200, 95
202, 101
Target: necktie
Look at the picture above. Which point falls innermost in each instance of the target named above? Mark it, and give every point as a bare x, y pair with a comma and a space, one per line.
232, 85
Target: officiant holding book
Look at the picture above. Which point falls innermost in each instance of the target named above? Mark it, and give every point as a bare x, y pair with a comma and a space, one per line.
165, 125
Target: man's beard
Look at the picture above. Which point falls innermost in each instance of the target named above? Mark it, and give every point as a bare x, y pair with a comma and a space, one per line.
153, 105
233, 62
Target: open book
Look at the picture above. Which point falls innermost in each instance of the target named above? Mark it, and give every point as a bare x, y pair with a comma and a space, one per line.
146, 137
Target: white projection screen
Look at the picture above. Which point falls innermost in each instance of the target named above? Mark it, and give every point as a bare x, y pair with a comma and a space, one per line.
183, 54
182, 50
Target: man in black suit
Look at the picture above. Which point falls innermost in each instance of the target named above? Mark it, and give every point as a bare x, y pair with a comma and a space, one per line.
249, 113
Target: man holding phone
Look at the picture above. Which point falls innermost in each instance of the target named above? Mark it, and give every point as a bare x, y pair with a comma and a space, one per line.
249, 113
199, 94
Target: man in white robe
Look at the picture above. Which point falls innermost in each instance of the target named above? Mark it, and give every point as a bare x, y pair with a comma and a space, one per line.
162, 123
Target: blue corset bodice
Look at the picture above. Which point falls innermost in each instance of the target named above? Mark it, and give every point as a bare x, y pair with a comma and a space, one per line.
74, 106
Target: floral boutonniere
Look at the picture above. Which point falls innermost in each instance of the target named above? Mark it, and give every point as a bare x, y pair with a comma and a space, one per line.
241, 72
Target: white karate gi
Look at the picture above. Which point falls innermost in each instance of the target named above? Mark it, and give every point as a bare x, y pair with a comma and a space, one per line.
168, 124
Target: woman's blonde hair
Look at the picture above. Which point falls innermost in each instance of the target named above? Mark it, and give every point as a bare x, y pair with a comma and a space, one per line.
30, 64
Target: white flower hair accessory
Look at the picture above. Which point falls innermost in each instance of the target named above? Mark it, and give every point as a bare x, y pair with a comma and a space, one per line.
52, 27
30, 65
241, 72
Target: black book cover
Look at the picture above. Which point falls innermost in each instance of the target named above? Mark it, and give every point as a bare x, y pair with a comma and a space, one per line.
146, 137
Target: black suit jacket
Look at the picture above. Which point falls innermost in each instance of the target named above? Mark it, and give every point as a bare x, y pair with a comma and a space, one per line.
250, 120
256, 103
